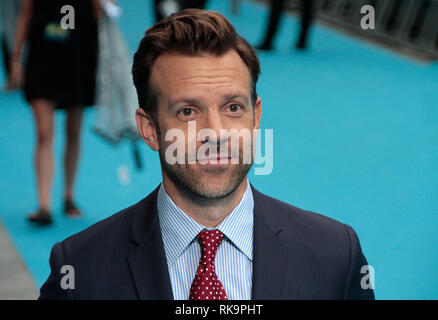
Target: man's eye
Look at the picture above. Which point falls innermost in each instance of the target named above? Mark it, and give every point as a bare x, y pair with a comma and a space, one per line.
234, 108
187, 112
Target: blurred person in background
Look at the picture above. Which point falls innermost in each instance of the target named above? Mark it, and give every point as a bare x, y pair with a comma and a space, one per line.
164, 8
276, 11
58, 73
9, 10
116, 98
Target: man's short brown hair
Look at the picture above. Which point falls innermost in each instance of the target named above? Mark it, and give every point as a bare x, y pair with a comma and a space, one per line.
192, 32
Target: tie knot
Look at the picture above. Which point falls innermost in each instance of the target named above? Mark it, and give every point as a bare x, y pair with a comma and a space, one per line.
209, 241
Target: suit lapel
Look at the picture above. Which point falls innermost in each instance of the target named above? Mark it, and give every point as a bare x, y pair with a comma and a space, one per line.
269, 258
147, 258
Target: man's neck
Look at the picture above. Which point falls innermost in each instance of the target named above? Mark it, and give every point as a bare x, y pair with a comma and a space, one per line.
208, 213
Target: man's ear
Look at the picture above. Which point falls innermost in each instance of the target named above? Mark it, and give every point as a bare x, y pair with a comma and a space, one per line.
147, 129
257, 113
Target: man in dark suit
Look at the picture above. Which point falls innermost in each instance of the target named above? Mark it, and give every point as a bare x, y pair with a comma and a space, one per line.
205, 232
276, 11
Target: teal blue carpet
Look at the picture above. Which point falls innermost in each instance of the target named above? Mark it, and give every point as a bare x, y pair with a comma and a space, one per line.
355, 138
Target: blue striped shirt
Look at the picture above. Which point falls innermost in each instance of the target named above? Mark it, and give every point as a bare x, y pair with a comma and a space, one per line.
233, 260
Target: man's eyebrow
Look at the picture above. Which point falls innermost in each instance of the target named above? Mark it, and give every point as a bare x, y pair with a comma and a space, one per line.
198, 102
184, 101
235, 96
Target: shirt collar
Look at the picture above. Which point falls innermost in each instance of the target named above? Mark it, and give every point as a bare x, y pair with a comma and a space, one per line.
179, 230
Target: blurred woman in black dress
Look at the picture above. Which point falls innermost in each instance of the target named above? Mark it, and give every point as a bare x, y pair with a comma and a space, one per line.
58, 73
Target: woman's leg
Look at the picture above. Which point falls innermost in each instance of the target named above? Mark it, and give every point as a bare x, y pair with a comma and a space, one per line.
72, 149
43, 112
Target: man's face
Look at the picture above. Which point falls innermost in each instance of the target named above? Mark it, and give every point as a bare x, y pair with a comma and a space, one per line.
213, 93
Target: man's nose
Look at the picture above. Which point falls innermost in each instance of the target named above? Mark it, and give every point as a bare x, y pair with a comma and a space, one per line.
212, 123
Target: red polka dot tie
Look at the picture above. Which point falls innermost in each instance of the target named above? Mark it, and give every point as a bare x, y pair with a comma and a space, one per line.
206, 285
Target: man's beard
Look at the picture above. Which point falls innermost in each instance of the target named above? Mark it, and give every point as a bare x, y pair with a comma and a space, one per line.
200, 189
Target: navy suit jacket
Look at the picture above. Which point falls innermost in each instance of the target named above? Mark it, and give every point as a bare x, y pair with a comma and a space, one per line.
297, 255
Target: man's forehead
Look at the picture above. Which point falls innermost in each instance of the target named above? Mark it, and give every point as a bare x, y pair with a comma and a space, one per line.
174, 66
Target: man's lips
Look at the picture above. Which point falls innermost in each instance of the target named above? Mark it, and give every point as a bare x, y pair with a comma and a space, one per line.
215, 160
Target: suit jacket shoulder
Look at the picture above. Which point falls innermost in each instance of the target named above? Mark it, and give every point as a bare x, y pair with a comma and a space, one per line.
99, 256
318, 257
285, 213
